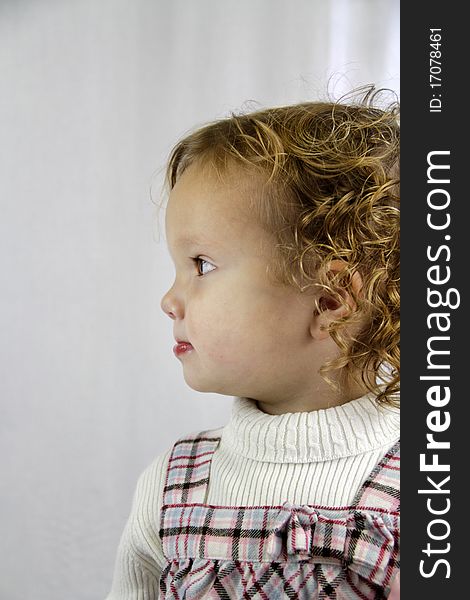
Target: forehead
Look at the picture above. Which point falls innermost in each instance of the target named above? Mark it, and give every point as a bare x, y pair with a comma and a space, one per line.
204, 208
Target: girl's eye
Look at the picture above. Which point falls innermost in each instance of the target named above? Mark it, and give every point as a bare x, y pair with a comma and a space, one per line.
203, 266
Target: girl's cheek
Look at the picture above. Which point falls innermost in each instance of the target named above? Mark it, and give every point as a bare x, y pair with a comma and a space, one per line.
220, 342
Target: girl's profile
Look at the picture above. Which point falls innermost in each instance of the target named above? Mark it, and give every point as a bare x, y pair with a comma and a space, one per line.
283, 227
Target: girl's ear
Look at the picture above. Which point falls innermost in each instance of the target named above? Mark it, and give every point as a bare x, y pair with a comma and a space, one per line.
328, 308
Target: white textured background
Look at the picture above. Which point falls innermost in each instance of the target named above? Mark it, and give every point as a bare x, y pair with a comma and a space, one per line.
93, 94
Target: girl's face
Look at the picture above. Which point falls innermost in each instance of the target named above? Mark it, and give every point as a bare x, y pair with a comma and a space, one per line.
246, 336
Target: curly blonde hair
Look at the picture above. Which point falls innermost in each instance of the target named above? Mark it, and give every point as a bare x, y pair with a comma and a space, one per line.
331, 191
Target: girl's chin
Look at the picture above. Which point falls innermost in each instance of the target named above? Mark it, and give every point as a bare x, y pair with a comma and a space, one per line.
198, 384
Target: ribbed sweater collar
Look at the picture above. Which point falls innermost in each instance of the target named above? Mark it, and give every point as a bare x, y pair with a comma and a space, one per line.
352, 428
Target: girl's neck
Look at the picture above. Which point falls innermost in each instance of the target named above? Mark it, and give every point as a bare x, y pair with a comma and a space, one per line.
321, 396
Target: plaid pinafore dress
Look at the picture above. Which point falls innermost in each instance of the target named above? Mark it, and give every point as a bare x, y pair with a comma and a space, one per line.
276, 552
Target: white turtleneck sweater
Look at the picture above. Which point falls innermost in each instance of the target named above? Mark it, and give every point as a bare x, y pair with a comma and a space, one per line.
318, 458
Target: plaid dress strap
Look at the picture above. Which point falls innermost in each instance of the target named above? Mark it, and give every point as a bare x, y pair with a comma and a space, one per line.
382, 488
187, 476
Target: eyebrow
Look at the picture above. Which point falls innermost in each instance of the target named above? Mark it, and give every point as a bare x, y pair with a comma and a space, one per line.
188, 240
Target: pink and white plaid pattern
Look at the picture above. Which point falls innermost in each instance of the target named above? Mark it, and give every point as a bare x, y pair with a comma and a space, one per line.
276, 552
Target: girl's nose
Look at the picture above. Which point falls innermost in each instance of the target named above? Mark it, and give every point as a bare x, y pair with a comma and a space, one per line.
171, 305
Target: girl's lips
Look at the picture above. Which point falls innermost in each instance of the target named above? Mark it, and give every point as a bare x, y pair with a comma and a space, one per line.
181, 348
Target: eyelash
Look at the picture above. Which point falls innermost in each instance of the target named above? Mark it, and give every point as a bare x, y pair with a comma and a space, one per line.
197, 261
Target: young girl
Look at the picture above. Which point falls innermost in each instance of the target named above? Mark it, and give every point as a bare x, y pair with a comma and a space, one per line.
283, 226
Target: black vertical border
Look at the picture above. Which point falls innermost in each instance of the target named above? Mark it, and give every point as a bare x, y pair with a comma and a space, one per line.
424, 131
